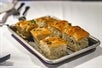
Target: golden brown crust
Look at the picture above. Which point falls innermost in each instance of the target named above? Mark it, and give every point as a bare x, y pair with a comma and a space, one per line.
24, 28
53, 36
61, 24
25, 24
54, 41
46, 20
53, 47
40, 33
77, 32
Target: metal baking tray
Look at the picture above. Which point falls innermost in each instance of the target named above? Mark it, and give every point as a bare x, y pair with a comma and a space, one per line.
93, 43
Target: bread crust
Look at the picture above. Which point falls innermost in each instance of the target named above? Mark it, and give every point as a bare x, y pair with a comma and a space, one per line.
40, 33
77, 32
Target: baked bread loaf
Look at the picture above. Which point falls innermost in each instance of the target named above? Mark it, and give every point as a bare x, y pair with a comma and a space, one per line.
53, 36
45, 20
53, 47
40, 33
58, 27
24, 28
77, 37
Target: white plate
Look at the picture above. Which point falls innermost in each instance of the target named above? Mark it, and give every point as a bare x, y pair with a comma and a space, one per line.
5, 6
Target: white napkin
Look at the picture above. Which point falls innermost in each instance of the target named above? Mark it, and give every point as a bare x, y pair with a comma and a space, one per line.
18, 59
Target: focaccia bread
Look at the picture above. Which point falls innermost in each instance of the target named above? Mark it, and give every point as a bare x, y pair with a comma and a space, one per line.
45, 20
24, 28
40, 33
77, 32
53, 36
77, 37
53, 47
61, 24
58, 27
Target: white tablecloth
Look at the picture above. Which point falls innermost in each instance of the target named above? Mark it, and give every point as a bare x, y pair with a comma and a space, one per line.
88, 15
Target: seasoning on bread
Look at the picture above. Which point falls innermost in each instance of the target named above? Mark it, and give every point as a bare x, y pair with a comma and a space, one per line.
77, 37
53, 47
40, 33
24, 28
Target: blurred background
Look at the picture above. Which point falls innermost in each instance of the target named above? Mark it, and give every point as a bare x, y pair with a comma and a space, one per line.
59, 0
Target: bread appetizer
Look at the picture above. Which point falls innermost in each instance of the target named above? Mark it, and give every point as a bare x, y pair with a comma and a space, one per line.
53, 36
44, 21
58, 27
40, 33
53, 47
24, 28
77, 36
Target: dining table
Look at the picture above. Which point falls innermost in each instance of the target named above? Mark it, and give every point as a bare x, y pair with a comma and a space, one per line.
86, 14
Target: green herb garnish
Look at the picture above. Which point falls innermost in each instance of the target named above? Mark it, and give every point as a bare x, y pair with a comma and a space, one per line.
33, 21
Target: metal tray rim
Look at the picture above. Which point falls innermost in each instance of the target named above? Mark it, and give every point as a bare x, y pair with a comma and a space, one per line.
56, 60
